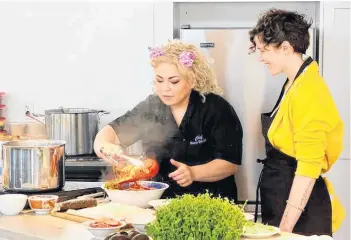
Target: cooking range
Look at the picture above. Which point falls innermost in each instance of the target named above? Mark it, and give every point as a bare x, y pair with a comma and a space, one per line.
85, 168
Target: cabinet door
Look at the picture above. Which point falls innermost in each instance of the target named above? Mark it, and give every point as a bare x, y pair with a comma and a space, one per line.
336, 72
336, 60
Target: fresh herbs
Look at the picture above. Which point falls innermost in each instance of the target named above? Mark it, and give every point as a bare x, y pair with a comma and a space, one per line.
200, 217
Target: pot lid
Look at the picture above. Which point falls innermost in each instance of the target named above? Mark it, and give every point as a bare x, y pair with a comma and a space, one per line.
71, 111
34, 143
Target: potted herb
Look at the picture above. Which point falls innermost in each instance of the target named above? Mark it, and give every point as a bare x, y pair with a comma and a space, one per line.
200, 217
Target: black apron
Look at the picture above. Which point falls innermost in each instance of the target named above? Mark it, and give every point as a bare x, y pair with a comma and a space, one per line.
275, 183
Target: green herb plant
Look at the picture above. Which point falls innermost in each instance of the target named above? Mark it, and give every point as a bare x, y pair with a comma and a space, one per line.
201, 217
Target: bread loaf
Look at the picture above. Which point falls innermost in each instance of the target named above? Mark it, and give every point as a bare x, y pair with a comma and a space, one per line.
76, 204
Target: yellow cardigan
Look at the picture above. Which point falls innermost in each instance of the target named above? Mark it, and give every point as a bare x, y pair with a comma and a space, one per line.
308, 127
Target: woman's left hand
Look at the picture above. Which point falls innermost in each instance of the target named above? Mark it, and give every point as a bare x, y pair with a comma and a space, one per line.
183, 175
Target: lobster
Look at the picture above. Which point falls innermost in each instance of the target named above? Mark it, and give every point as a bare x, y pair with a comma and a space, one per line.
131, 173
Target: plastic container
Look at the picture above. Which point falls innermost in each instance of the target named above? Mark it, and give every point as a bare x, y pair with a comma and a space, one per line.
2, 123
2, 108
2, 95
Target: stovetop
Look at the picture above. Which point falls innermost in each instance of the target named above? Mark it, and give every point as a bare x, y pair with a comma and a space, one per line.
83, 158
85, 168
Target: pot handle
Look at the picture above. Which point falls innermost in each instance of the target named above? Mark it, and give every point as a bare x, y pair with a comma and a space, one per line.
34, 116
100, 113
103, 112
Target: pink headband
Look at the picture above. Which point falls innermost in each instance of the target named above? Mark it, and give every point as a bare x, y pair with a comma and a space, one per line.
185, 58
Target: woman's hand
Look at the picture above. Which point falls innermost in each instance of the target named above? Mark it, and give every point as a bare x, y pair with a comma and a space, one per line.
111, 149
183, 175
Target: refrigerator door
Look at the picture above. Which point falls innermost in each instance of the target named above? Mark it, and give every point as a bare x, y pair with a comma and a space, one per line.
248, 87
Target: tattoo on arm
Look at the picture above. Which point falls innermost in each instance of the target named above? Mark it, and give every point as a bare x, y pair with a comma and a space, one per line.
307, 193
299, 195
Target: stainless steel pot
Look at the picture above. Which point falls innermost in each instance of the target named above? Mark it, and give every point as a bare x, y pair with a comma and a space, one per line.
33, 165
77, 126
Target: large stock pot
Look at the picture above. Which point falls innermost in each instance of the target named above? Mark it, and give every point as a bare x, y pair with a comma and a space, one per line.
33, 165
77, 126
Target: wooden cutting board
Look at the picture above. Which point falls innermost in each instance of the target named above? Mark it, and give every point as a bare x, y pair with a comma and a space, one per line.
110, 209
70, 217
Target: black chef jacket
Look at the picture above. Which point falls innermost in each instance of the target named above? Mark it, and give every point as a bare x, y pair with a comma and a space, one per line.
209, 130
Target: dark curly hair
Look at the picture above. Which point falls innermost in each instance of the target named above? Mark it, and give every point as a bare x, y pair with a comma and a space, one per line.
276, 26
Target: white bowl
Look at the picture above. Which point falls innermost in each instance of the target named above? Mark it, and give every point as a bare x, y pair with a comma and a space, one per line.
156, 204
12, 204
137, 198
139, 220
249, 216
102, 232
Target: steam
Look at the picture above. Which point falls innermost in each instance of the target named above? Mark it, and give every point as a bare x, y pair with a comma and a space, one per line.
155, 133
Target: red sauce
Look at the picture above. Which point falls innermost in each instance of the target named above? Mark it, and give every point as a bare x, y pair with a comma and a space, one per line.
105, 223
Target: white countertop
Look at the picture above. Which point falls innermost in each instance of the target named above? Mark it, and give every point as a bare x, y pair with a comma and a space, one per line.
38, 227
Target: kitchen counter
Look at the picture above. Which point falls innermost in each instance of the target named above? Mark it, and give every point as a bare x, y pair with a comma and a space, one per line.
38, 227
30, 226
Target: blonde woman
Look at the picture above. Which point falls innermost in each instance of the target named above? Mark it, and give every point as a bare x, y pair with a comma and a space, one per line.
194, 133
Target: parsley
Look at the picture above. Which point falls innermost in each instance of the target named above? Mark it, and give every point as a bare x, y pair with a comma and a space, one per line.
200, 217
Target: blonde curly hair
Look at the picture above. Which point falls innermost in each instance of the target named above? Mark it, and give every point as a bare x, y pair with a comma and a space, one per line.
200, 73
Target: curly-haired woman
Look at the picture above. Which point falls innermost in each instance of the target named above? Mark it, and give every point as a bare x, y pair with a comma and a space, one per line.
194, 133
303, 132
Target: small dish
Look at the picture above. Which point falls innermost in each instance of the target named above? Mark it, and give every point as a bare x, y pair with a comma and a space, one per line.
260, 231
105, 229
156, 204
249, 216
42, 204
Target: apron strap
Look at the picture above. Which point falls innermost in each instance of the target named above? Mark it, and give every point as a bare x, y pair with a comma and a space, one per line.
260, 160
302, 69
257, 194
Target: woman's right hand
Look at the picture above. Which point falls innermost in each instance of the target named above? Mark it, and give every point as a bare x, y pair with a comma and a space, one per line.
111, 150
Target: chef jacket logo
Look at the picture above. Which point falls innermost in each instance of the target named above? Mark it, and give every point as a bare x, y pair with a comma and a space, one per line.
198, 140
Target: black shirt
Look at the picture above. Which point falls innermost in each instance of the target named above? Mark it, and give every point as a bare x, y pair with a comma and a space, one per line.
209, 130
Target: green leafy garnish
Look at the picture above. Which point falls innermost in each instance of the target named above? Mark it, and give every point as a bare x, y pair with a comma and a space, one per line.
200, 217
258, 228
